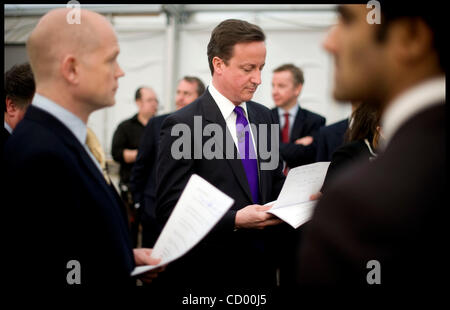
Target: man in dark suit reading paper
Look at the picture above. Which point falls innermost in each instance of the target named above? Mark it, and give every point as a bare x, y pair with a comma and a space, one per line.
237, 251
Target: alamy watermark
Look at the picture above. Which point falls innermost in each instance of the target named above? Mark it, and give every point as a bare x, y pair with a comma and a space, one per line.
374, 275
74, 274
374, 16
74, 15
219, 142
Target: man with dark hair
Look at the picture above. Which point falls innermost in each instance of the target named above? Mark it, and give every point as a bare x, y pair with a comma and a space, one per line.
143, 174
19, 91
125, 144
297, 125
382, 222
237, 251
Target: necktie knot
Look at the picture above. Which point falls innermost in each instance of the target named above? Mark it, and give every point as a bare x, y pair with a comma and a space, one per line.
239, 111
95, 147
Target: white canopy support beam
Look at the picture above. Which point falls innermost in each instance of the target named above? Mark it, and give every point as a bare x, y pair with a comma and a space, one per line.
115, 9
175, 16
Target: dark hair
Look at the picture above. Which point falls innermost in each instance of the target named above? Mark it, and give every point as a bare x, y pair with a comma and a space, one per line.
434, 17
200, 85
137, 94
297, 73
365, 120
229, 33
19, 85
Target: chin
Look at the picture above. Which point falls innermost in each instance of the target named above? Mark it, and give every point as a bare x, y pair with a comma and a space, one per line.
247, 98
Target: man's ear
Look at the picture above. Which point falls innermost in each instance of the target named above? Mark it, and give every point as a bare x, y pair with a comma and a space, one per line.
414, 40
11, 107
70, 69
218, 64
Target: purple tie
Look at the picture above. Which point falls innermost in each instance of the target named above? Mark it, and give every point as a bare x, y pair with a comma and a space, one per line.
247, 152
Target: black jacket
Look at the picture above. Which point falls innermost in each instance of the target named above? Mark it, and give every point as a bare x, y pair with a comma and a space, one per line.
306, 123
225, 256
67, 210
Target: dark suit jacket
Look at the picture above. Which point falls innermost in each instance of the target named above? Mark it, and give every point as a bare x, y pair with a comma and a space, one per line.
390, 210
66, 209
225, 257
343, 157
306, 123
329, 138
4, 136
143, 174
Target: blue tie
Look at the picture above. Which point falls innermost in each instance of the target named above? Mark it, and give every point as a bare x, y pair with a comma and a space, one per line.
247, 152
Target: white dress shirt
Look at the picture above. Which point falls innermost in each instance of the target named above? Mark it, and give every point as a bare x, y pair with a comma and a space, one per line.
226, 107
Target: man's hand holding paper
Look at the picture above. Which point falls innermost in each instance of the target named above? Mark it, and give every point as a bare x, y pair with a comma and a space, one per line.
255, 216
302, 183
200, 207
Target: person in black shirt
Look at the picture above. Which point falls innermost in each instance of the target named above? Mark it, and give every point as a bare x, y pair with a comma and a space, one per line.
19, 91
125, 145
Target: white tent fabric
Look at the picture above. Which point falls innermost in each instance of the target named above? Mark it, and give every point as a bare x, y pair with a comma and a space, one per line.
292, 37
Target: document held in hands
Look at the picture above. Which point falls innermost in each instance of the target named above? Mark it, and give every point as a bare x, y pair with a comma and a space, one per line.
200, 207
293, 205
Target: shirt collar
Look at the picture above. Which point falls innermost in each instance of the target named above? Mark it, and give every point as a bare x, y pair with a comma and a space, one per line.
70, 120
409, 103
292, 112
7, 127
225, 105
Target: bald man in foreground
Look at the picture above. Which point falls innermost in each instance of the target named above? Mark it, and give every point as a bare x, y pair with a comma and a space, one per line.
73, 224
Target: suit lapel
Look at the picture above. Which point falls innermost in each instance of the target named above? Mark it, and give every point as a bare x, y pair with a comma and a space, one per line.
213, 115
276, 117
298, 125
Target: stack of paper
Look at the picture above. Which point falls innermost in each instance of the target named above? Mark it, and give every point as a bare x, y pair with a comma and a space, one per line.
293, 205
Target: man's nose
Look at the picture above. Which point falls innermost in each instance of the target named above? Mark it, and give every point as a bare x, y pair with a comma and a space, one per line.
256, 77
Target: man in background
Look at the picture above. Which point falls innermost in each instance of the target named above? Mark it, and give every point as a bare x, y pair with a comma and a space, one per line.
143, 174
125, 145
297, 125
19, 91
73, 224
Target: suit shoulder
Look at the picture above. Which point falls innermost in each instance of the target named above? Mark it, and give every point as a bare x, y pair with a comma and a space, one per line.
312, 115
32, 140
186, 113
259, 107
157, 120
160, 117
335, 127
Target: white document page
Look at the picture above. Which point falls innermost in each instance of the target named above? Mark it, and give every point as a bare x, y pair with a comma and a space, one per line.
200, 207
293, 205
